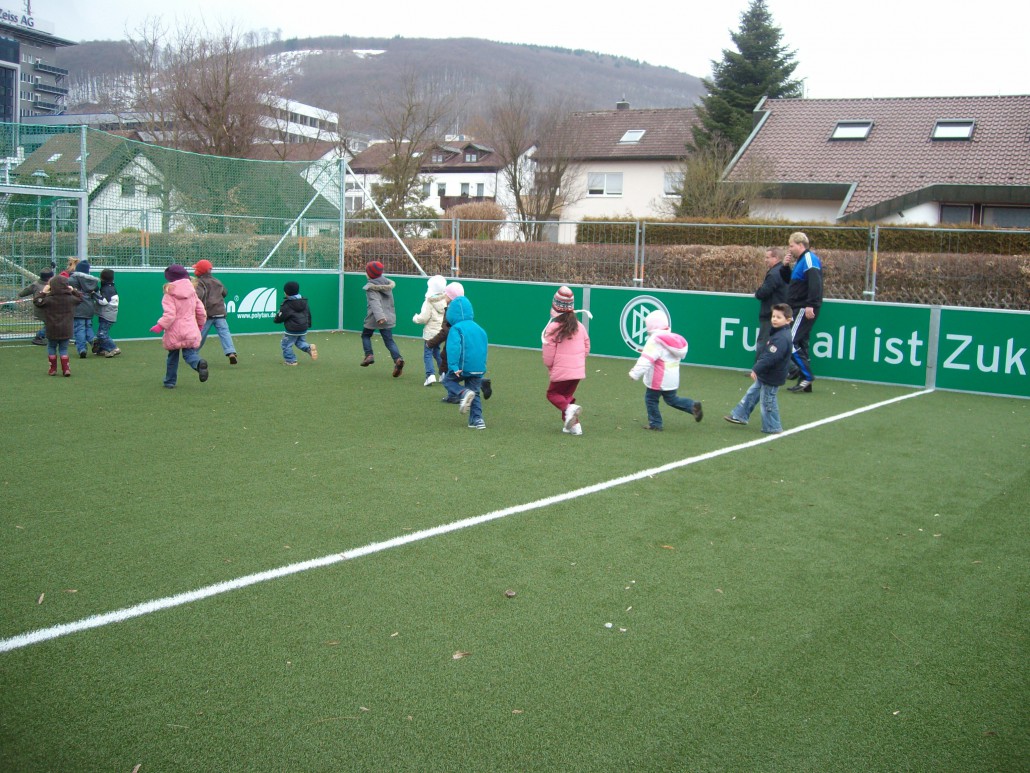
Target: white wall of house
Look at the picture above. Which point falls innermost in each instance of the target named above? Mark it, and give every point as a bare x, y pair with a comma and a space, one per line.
798, 210
928, 213
117, 203
472, 184
643, 186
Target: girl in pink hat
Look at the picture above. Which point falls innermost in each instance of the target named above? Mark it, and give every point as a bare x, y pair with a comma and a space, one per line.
565, 349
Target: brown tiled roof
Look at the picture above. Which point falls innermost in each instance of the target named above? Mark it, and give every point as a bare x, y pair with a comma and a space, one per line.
372, 159
898, 160
291, 151
595, 135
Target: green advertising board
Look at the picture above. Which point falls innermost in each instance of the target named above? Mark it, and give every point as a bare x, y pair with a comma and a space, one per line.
984, 351
252, 301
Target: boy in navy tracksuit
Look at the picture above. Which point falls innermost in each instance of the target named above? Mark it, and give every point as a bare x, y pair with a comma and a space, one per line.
768, 375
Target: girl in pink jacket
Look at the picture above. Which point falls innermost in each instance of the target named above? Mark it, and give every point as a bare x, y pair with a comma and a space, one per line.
181, 321
659, 365
565, 349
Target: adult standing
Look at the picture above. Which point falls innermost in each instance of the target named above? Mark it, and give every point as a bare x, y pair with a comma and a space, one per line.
805, 296
772, 291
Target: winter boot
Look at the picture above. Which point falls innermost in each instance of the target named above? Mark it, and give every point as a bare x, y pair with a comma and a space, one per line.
53, 364
65, 370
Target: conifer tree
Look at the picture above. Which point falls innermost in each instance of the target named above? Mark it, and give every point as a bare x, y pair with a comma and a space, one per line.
760, 67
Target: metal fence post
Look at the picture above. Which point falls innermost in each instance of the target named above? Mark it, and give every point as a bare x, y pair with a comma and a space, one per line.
639, 253
870, 272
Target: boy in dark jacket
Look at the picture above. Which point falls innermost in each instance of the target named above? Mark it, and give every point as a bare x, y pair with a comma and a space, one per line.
768, 375
87, 285
58, 301
295, 315
107, 311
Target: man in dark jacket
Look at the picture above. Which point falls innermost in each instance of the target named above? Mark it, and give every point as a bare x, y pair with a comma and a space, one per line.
772, 291
805, 296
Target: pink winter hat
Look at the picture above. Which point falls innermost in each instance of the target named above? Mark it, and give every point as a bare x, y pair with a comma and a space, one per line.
656, 320
453, 290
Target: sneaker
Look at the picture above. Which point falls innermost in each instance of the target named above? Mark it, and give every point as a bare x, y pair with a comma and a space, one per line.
466, 401
698, 411
575, 429
450, 400
478, 425
572, 414
169, 386
313, 351
369, 359
232, 359
202, 370
652, 427
488, 388
430, 380
95, 346
289, 363
82, 355
113, 353
398, 366
734, 420
39, 340
801, 386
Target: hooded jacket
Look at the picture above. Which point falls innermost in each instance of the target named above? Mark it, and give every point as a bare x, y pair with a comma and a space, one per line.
379, 297
431, 315
86, 284
58, 307
294, 315
565, 360
183, 316
108, 307
466, 341
659, 362
212, 294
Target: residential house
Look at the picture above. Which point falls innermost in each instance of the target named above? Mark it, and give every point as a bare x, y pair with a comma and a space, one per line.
626, 161
919, 160
456, 171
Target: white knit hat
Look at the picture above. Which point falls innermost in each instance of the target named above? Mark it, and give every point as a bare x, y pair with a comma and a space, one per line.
656, 320
436, 284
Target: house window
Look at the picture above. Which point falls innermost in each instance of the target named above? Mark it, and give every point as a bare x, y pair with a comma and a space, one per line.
464, 189
673, 183
427, 188
480, 190
471, 157
437, 157
154, 189
53, 158
128, 186
956, 214
604, 184
354, 197
851, 130
441, 189
953, 130
1007, 217
632, 137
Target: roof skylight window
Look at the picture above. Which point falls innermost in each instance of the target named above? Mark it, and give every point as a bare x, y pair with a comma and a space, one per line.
632, 136
953, 130
851, 130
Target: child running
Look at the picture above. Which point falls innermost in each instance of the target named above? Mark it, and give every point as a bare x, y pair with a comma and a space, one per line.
181, 321
295, 316
381, 316
659, 365
768, 375
466, 358
212, 294
431, 318
565, 349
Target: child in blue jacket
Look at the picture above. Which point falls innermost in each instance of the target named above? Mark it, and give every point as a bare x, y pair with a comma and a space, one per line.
466, 358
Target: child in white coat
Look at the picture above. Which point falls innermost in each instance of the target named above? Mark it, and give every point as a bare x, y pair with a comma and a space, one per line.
659, 365
431, 318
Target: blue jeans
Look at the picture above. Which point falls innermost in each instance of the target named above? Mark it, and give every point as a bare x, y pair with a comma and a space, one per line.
473, 383
431, 358
766, 395
224, 337
103, 334
294, 339
192, 357
387, 334
651, 398
83, 332
57, 346
450, 383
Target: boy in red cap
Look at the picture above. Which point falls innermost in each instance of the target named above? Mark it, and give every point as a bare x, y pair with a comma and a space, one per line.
381, 316
212, 294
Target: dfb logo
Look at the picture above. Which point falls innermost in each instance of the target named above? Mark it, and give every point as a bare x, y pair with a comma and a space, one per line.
631, 323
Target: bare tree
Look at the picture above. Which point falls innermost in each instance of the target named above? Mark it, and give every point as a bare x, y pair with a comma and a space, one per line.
411, 119
538, 165
702, 191
201, 91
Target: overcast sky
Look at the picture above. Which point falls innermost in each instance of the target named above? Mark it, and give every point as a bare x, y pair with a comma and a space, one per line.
875, 48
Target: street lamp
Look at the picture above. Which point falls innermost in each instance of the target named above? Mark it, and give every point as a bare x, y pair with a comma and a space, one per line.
40, 176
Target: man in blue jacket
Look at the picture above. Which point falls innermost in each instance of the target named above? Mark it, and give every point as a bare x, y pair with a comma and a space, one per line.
805, 296
466, 357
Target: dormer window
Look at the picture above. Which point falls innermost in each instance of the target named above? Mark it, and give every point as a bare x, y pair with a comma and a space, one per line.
632, 136
437, 157
953, 130
53, 158
851, 130
471, 156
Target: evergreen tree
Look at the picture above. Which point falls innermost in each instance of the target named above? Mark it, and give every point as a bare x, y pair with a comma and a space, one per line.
760, 67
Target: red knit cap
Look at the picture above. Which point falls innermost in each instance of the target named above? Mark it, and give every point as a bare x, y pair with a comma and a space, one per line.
564, 300
202, 267
374, 269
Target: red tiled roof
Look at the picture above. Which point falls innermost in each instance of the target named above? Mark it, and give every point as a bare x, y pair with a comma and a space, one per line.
898, 157
596, 135
372, 159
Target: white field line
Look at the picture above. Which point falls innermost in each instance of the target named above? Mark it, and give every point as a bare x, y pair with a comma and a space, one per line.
148, 607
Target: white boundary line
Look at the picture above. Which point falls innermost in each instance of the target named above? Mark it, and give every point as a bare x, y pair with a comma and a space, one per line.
168, 602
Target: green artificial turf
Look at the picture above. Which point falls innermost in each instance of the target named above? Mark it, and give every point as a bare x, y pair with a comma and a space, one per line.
851, 597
